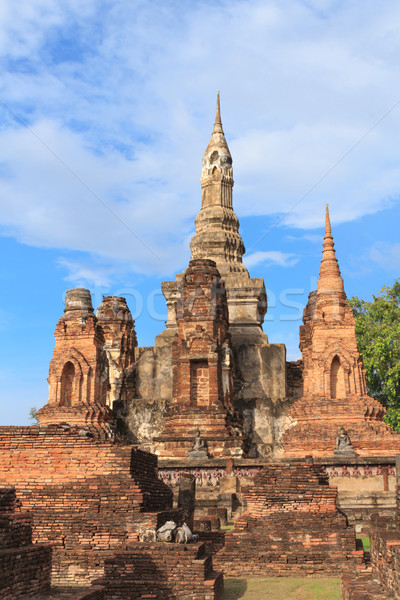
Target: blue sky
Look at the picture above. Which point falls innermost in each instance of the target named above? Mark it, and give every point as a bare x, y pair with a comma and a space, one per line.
106, 108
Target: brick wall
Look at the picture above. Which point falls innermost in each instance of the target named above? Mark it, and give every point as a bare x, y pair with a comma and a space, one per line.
86, 497
24, 568
385, 558
384, 582
162, 571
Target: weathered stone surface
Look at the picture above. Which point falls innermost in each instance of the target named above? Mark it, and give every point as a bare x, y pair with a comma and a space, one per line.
120, 342
187, 497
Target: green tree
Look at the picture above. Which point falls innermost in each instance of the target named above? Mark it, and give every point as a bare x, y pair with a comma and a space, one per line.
33, 414
378, 339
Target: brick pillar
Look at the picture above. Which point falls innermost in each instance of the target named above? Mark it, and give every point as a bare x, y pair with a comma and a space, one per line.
187, 497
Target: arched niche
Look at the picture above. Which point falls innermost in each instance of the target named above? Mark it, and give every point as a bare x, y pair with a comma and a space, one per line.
337, 379
67, 395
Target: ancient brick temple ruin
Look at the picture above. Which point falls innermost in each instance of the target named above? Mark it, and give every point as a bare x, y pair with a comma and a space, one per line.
296, 454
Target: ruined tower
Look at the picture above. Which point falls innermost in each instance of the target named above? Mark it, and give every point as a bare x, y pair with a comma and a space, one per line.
202, 400
120, 342
92, 364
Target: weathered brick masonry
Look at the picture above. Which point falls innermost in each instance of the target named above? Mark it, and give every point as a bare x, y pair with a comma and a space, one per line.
86, 497
334, 388
202, 369
384, 582
24, 568
291, 527
162, 571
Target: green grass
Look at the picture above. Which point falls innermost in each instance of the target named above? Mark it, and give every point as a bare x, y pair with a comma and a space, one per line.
366, 543
282, 588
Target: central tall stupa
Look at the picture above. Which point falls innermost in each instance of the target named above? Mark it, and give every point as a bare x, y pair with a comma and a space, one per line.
259, 367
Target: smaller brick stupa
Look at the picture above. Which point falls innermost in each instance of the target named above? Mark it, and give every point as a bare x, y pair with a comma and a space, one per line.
335, 414
78, 373
200, 421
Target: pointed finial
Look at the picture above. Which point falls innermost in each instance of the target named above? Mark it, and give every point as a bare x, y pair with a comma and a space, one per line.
327, 220
218, 122
330, 279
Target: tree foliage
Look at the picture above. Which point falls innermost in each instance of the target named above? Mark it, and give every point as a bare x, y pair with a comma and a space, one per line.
378, 339
33, 414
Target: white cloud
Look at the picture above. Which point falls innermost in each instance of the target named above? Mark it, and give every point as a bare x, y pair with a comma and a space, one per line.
82, 274
271, 257
386, 255
124, 93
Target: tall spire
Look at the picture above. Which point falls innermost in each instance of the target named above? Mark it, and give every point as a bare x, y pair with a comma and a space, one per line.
330, 279
217, 227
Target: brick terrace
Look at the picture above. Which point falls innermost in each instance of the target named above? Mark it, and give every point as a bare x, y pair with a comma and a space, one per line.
291, 527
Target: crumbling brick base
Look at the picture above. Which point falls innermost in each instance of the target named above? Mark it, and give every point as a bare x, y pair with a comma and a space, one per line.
87, 497
291, 527
24, 567
162, 571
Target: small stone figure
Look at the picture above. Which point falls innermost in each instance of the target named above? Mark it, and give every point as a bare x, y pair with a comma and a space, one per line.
199, 448
185, 536
343, 444
167, 532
